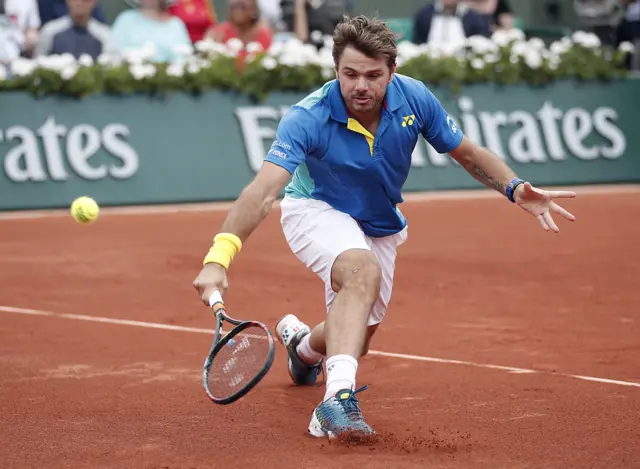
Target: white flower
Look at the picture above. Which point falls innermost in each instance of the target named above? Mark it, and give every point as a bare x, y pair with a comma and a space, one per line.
297, 54
432, 51
536, 43
533, 59
235, 45
408, 50
85, 60
316, 37
517, 34
520, 48
290, 60
310, 55
55, 62
69, 72
328, 73
142, 71
135, 56
276, 49
491, 58
269, 63
481, 45
50, 62
22, 67
445, 49
504, 37
193, 68
477, 64
325, 59
109, 60
254, 48
182, 50
626, 47
104, 59
67, 60
560, 47
175, 70
210, 47
584, 39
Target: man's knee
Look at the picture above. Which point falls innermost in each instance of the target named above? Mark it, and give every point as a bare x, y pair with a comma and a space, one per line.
357, 269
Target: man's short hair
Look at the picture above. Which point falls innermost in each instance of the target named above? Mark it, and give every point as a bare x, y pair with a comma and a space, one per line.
372, 37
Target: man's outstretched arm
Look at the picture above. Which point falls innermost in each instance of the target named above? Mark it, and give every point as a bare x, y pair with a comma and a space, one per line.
490, 170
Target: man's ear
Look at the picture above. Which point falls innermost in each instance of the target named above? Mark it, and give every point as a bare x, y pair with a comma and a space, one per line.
393, 70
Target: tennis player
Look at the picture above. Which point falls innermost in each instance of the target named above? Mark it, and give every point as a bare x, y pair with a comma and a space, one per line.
348, 146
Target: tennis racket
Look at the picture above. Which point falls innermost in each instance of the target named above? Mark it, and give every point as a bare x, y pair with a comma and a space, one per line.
237, 360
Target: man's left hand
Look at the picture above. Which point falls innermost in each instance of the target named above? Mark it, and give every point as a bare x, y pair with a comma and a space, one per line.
540, 204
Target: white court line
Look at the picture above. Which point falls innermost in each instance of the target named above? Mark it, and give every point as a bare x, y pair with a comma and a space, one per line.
402, 356
410, 197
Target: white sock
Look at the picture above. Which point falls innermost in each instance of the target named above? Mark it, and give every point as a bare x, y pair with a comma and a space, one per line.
305, 351
341, 374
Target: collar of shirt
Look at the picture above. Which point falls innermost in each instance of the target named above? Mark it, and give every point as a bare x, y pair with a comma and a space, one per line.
392, 102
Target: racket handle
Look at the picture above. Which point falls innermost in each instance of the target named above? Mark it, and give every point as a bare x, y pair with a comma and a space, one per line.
215, 298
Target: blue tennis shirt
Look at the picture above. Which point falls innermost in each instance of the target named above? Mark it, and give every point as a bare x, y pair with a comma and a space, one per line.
335, 159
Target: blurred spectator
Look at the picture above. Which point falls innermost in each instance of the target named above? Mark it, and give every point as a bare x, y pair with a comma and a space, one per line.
76, 33
629, 31
499, 12
19, 28
53, 9
150, 23
448, 21
312, 19
271, 12
244, 23
11, 38
197, 15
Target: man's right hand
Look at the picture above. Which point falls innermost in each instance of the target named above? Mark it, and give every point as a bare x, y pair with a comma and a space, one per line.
212, 277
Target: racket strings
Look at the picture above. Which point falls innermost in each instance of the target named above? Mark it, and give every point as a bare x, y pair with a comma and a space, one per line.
238, 361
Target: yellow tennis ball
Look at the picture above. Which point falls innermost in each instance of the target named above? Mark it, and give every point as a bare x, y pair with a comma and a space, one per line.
84, 210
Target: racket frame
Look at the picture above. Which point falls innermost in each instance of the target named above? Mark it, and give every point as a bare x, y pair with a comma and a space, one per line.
218, 342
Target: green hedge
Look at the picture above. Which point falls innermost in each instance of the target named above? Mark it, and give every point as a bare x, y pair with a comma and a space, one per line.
506, 59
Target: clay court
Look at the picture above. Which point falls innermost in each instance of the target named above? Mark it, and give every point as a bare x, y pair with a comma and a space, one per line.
504, 346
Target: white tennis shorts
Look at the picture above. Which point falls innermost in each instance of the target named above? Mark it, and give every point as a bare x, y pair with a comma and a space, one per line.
317, 234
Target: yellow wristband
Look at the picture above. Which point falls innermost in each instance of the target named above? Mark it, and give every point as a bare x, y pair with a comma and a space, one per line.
225, 247
231, 238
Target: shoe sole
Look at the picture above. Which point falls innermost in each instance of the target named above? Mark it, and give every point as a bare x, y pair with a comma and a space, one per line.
316, 431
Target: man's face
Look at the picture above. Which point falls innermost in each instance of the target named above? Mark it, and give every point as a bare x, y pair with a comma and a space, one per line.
81, 7
363, 80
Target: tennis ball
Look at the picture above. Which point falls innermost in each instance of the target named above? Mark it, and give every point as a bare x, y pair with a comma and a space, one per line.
84, 210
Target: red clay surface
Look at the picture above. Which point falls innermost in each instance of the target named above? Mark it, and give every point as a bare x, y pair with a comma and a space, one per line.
478, 280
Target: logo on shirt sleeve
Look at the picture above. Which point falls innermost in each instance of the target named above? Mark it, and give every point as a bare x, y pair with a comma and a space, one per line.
451, 124
408, 120
277, 148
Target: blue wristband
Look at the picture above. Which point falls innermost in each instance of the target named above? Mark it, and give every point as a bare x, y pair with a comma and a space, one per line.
515, 182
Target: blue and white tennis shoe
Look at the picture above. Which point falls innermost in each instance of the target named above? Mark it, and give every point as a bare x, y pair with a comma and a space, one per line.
339, 415
290, 331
